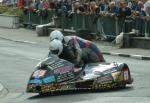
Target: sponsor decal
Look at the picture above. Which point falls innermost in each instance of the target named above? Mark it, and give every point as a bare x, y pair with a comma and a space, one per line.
106, 86
126, 75
57, 65
51, 87
117, 76
49, 79
106, 79
39, 73
65, 77
36, 81
62, 70
67, 86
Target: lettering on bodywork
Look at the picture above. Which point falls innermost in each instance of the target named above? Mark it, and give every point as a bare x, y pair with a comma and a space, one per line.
63, 70
103, 80
64, 77
49, 79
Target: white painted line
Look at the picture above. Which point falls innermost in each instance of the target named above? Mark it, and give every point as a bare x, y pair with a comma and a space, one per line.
23, 41
35, 59
115, 54
136, 56
26, 41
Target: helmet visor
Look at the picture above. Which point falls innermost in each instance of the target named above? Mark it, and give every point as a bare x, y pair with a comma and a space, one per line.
55, 52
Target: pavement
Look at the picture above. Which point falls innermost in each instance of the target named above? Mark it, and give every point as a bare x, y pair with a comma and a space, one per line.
22, 35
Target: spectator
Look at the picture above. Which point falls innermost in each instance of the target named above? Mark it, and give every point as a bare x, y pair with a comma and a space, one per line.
112, 8
37, 2
78, 7
40, 5
147, 11
86, 7
135, 5
123, 11
93, 8
147, 7
103, 10
51, 4
129, 4
137, 14
141, 4
62, 8
135, 8
58, 8
46, 5
103, 6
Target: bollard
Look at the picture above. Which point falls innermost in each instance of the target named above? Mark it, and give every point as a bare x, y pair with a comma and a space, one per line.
127, 39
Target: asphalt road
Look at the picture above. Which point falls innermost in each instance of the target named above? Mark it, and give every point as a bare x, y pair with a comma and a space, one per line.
17, 61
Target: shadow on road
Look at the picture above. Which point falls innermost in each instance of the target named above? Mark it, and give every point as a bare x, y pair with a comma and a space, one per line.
39, 96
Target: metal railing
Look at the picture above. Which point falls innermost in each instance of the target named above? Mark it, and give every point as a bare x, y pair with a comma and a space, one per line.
106, 25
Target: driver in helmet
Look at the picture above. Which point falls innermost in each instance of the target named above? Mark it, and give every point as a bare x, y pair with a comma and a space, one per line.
77, 43
65, 52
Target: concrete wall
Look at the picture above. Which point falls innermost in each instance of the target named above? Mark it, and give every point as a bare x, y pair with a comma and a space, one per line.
140, 42
8, 21
130, 40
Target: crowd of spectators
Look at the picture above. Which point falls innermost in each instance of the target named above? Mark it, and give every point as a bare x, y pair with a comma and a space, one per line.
121, 8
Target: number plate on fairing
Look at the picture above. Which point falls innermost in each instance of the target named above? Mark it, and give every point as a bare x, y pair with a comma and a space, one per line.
126, 75
39, 73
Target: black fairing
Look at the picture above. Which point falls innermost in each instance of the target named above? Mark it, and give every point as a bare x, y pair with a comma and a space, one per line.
52, 70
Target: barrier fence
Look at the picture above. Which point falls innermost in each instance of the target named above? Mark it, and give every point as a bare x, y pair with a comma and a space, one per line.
107, 25
33, 18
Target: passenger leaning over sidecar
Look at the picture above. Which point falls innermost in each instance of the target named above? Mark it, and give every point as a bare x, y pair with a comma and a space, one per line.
76, 56
78, 43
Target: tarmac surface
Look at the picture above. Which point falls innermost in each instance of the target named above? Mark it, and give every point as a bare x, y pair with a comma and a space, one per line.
1, 87
29, 36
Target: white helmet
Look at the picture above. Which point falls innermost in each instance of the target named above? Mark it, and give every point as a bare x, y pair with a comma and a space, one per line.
56, 47
56, 34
